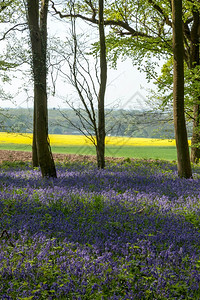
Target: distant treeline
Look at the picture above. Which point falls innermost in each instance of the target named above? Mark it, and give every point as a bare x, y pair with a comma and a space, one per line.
118, 122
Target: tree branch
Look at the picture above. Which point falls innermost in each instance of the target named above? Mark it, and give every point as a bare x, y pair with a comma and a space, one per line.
12, 28
124, 25
161, 11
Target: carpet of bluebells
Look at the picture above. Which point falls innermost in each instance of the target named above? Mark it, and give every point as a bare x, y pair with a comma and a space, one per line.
130, 231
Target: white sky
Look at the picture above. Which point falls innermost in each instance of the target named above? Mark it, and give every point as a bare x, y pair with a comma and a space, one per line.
122, 84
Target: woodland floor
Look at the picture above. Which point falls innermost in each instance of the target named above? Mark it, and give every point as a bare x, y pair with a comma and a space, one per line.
10, 155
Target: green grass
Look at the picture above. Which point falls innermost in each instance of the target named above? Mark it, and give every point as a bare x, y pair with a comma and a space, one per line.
15, 147
167, 153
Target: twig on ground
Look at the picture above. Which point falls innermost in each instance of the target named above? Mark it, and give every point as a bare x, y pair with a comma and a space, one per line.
8, 236
5, 232
139, 211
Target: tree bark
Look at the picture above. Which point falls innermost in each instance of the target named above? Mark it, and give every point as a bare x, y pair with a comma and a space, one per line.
35, 162
100, 147
184, 167
194, 62
38, 36
195, 141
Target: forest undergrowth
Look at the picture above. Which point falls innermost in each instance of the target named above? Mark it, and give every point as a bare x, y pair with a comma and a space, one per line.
130, 231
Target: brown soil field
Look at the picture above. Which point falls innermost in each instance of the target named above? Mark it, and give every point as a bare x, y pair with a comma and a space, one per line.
9, 155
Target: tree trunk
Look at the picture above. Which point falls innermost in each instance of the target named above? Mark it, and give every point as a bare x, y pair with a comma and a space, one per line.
100, 148
195, 141
35, 162
194, 62
38, 36
184, 167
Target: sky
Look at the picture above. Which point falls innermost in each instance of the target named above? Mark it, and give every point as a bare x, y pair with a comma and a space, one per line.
126, 86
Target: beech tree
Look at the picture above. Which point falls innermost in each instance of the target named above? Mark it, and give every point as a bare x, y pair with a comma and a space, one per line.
192, 35
37, 21
184, 167
102, 89
159, 14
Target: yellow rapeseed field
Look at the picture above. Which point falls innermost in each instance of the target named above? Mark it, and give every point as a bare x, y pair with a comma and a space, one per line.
79, 140
138, 141
15, 138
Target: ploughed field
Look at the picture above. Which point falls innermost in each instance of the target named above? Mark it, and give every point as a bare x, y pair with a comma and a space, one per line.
130, 231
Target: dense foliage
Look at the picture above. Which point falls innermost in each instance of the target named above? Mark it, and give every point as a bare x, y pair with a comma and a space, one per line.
118, 122
130, 231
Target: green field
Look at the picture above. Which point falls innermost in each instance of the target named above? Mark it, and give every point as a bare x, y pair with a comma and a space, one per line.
154, 152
